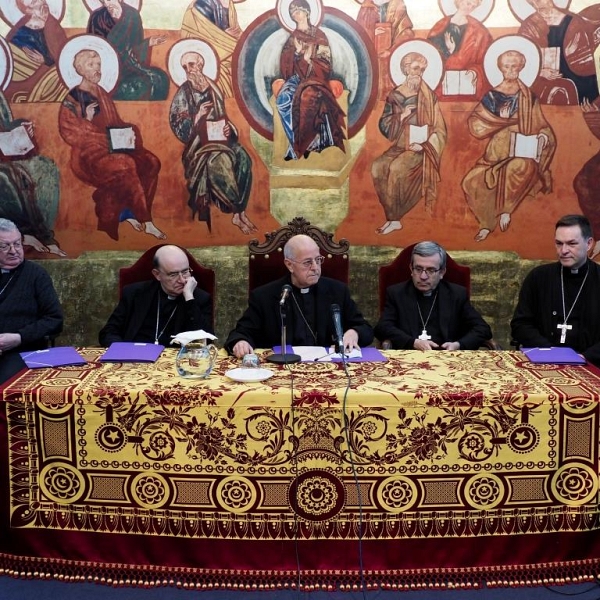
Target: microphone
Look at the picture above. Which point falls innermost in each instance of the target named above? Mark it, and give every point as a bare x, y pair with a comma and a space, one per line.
285, 292
337, 327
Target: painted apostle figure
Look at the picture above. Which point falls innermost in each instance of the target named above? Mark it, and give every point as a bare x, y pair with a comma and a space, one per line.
217, 168
409, 169
520, 146
121, 25
123, 173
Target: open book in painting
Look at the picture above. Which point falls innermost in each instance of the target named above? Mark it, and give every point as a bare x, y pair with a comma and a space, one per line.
526, 146
459, 83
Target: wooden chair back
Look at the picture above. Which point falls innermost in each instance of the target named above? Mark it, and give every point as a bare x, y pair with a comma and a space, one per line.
265, 263
399, 270
141, 270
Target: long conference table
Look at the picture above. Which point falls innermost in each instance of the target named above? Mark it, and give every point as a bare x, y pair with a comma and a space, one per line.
443, 469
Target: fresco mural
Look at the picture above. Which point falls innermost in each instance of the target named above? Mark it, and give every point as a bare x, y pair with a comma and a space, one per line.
216, 22
107, 153
567, 43
36, 38
459, 120
120, 24
217, 168
306, 104
410, 169
462, 40
520, 141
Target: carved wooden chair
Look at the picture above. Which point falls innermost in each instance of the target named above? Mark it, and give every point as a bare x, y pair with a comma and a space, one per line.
266, 264
141, 270
399, 270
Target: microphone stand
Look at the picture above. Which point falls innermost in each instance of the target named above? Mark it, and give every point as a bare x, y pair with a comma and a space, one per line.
284, 358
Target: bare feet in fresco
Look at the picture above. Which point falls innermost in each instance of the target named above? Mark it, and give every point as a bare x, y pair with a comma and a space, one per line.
483, 233
30, 240
504, 221
243, 222
152, 229
135, 224
596, 249
248, 222
388, 227
54, 249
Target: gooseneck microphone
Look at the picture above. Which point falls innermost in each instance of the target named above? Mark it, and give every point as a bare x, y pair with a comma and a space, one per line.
337, 328
284, 357
286, 290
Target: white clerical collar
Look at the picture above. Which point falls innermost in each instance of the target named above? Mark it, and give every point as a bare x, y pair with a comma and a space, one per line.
4, 271
305, 290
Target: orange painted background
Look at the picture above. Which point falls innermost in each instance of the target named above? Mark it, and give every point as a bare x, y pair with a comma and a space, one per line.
451, 223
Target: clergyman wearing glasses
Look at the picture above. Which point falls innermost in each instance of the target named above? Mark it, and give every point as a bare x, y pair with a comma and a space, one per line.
308, 306
29, 307
154, 311
428, 313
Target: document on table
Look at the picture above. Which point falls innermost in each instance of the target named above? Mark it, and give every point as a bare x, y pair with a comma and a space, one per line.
324, 354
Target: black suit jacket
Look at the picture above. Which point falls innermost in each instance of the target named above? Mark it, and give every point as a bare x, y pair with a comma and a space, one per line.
459, 321
260, 325
139, 298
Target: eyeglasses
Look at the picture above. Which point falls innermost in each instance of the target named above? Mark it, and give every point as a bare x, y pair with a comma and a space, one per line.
429, 270
176, 274
307, 264
14, 245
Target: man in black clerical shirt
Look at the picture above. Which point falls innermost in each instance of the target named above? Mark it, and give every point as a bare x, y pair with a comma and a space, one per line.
428, 313
308, 321
559, 302
29, 307
156, 310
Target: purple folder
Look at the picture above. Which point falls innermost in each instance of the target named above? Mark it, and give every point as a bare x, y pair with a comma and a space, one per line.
132, 352
59, 356
556, 355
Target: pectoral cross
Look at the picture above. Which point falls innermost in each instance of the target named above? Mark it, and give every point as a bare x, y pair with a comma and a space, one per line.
426, 337
563, 331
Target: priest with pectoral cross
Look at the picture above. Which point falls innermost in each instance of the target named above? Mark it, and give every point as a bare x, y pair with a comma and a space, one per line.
559, 303
429, 313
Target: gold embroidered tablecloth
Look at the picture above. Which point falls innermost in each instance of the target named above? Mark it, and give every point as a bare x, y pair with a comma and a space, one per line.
437, 467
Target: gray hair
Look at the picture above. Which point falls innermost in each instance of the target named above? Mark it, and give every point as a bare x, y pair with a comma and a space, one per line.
425, 249
6, 225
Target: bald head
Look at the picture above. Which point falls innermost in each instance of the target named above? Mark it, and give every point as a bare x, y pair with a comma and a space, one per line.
299, 243
167, 254
171, 269
193, 65
302, 258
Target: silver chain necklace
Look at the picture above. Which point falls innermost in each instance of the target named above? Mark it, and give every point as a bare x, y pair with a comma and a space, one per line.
424, 335
158, 335
303, 317
563, 326
6, 284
